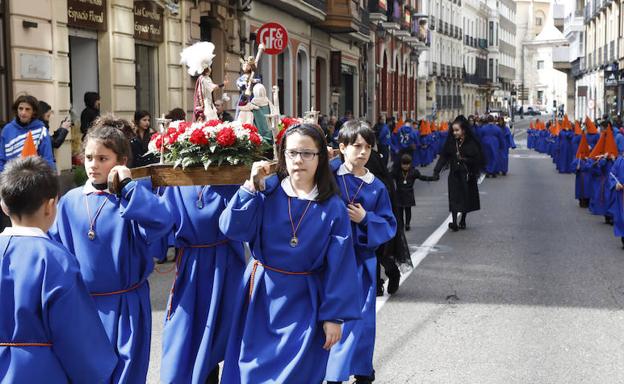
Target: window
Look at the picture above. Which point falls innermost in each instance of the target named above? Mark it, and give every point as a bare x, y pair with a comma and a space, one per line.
540, 64
538, 21
491, 33
540, 96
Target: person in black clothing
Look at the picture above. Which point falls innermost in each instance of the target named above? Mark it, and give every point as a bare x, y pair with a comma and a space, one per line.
404, 177
396, 250
463, 154
139, 143
59, 136
90, 113
221, 112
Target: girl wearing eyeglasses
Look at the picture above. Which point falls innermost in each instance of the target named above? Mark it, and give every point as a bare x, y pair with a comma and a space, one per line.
372, 224
298, 287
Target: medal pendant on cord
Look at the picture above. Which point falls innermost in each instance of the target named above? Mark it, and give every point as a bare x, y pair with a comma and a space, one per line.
91, 234
200, 204
294, 241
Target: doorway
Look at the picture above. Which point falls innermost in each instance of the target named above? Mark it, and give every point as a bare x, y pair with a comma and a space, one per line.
146, 79
83, 69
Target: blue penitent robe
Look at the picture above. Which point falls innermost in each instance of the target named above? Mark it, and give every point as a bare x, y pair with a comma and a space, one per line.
492, 142
582, 184
44, 300
592, 139
503, 160
115, 265
405, 140
288, 292
209, 270
354, 354
426, 149
602, 196
566, 152
617, 176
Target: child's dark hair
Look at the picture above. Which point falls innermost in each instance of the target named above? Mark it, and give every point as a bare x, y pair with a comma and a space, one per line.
324, 177
352, 128
26, 184
111, 133
31, 100
138, 115
406, 159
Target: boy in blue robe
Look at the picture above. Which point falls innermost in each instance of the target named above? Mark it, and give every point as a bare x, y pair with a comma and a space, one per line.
50, 331
372, 224
300, 284
204, 293
16, 132
111, 235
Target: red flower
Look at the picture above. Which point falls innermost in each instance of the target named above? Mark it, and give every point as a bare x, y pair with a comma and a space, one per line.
198, 137
226, 137
288, 121
183, 126
171, 131
280, 135
255, 138
250, 128
212, 123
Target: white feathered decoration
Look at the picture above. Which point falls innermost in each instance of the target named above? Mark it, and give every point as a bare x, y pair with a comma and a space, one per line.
198, 57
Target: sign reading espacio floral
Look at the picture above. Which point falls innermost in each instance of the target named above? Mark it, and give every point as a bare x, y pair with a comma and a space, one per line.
149, 21
87, 14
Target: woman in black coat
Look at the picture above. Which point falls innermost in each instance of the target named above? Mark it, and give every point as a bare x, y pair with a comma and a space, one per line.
463, 155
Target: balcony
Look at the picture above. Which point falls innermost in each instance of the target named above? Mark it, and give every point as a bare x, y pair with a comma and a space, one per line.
377, 11
310, 10
343, 16
561, 58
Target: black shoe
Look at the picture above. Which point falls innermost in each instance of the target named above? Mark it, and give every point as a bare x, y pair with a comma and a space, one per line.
494, 176
380, 288
609, 220
622, 242
394, 279
453, 227
407, 228
359, 379
462, 225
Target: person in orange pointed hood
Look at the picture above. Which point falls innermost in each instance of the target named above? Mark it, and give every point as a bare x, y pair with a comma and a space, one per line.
582, 167
603, 154
592, 132
25, 130
565, 150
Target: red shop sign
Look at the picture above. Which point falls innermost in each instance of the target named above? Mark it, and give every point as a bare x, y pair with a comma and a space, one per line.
274, 37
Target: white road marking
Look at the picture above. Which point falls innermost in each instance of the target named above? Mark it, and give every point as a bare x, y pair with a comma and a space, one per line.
417, 257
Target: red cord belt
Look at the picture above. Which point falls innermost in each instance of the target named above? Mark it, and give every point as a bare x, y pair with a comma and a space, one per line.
2, 344
177, 267
256, 263
119, 292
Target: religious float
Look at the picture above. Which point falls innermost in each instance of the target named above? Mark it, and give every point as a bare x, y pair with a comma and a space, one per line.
208, 151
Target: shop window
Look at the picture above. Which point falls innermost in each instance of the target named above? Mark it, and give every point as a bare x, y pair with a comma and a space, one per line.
146, 79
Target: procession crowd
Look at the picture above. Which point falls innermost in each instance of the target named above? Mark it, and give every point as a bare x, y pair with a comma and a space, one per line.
592, 151
297, 307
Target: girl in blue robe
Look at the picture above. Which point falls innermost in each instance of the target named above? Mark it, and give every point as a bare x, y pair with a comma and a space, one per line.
299, 285
616, 177
49, 328
362, 192
110, 236
209, 270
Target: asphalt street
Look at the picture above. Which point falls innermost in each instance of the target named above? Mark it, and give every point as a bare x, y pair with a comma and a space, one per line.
531, 292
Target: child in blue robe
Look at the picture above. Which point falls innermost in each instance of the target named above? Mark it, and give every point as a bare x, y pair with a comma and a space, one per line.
50, 331
203, 295
566, 151
492, 142
372, 224
503, 164
582, 190
110, 235
299, 285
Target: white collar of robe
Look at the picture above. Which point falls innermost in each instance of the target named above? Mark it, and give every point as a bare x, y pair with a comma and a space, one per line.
288, 189
24, 231
89, 189
368, 177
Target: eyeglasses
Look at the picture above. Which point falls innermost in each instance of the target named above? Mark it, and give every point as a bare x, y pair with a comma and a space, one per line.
305, 155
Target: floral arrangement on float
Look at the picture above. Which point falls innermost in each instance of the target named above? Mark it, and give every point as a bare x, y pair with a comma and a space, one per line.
185, 144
